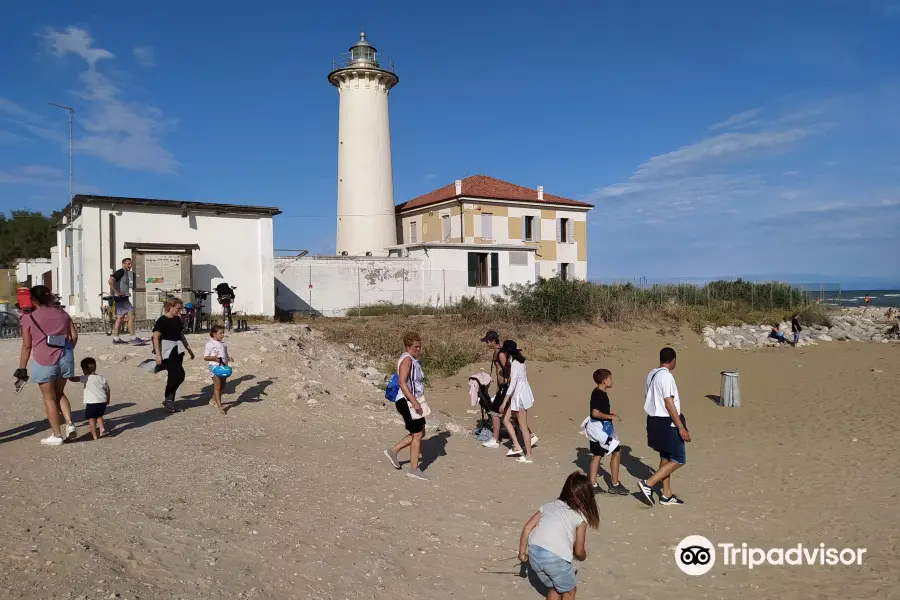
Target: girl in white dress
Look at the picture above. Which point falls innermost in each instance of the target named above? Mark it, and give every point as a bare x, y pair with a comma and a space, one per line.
519, 398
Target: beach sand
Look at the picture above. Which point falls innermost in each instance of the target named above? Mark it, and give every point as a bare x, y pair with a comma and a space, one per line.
284, 499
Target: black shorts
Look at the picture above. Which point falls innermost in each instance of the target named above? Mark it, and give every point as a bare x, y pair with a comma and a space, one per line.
95, 410
598, 450
499, 397
412, 425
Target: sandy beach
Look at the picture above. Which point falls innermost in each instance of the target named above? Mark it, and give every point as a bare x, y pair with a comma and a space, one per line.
289, 498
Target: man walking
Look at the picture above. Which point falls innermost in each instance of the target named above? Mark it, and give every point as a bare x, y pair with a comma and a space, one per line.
666, 428
121, 284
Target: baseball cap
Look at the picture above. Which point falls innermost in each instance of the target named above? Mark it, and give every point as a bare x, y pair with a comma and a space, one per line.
491, 336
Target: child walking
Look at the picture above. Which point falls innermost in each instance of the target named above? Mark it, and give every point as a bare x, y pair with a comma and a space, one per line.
96, 396
555, 535
216, 354
605, 441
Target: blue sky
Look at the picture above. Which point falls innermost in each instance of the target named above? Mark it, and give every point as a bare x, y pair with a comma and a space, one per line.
716, 138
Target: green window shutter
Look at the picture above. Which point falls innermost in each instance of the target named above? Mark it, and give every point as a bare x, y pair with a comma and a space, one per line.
495, 269
473, 269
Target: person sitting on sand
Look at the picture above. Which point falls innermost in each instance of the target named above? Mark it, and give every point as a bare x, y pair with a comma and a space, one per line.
555, 535
96, 396
777, 334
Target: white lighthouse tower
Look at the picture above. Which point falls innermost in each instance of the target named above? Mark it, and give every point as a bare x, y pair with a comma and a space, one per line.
365, 201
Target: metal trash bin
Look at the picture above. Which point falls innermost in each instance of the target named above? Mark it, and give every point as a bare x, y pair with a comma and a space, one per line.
730, 394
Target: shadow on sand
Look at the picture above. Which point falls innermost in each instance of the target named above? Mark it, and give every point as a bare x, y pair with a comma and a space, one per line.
41, 425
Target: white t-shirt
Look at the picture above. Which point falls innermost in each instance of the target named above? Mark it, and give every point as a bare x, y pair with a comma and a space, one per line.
216, 348
556, 529
94, 388
662, 387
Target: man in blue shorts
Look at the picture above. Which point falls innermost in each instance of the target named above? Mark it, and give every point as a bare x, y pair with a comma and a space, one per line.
121, 285
667, 430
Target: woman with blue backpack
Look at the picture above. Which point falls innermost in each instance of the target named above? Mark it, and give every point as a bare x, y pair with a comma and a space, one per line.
406, 390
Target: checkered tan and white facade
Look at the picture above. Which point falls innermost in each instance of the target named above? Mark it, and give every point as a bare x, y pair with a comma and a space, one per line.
556, 227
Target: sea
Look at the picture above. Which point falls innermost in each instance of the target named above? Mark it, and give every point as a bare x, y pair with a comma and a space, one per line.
850, 298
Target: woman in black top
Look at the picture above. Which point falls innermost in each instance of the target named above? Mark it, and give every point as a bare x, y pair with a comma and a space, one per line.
169, 345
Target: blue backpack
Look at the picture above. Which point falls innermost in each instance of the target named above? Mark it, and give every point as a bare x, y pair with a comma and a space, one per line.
393, 388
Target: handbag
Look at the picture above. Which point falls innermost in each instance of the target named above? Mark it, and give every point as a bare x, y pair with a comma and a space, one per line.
54, 341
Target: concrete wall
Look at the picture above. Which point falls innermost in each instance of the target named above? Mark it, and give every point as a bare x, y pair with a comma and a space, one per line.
334, 286
233, 248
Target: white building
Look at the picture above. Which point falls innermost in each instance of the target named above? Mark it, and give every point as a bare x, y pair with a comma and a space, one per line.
173, 245
32, 270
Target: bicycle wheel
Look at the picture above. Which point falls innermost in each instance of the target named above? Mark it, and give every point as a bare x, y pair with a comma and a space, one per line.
110, 321
227, 316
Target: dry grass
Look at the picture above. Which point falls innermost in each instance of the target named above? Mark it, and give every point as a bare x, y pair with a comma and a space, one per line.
557, 320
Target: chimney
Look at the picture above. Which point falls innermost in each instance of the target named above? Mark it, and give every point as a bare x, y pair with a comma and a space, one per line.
459, 187
540, 192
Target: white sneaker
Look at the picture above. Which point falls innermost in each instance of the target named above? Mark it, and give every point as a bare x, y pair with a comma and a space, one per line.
534, 440
71, 432
523, 459
53, 440
491, 444
514, 452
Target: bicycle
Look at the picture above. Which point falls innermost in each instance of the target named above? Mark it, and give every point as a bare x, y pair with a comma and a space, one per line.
225, 295
194, 311
110, 321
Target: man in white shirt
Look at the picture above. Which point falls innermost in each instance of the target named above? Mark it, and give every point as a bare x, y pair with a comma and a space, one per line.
666, 428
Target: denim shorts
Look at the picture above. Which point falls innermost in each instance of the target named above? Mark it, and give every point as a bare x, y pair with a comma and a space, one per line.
63, 369
123, 306
553, 571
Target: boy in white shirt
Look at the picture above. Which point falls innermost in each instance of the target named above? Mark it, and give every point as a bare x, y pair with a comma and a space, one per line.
216, 354
96, 396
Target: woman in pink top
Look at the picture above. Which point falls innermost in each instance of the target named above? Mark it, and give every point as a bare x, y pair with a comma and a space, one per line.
48, 338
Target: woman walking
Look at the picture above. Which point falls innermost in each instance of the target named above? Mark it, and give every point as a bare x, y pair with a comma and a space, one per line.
411, 405
169, 345
49, 338
519, 398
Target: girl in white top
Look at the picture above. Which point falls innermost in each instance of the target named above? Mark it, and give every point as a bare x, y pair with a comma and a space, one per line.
555, 536
216, 353
519, 398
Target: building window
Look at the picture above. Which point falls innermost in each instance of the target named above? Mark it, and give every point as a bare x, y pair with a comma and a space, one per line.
565, 231
530, 229
445, 227
413, 232
487, 226
565, 271
484, 269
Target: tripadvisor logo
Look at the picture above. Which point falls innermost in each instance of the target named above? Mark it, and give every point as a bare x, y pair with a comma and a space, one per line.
696, 555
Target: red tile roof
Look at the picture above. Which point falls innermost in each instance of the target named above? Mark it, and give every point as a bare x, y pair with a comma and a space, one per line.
482, 186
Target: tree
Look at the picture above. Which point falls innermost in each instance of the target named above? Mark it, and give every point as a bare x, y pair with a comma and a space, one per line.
26, 234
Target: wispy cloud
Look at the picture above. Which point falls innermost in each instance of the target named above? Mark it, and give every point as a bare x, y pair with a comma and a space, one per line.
717, 148
32, 175
145, 56
121, 132
7, 137
741, 119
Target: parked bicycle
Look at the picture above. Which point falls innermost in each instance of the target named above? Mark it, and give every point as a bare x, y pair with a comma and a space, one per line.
193, 311
109, 319
225, 295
